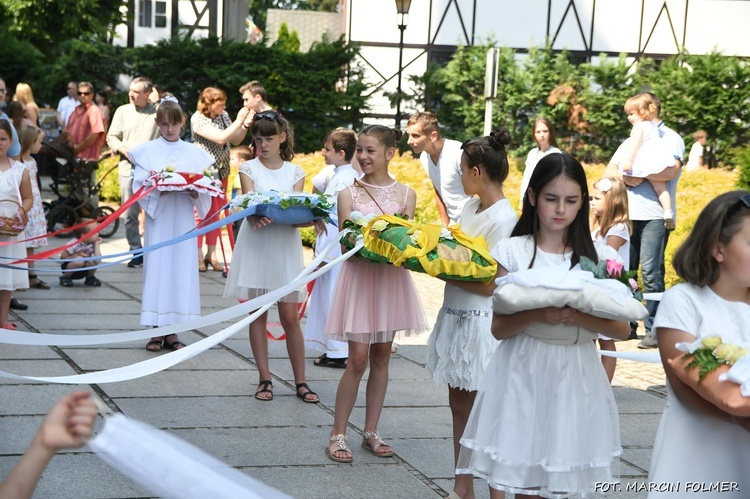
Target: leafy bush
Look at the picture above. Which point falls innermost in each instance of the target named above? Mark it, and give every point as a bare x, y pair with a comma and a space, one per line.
305, 87
109, 189
585, 102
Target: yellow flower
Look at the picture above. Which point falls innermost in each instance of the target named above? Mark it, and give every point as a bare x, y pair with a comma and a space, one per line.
379, 225
729, 353
711, 342
169, 169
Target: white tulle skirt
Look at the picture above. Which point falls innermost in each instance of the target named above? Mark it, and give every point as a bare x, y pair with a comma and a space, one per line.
544, 421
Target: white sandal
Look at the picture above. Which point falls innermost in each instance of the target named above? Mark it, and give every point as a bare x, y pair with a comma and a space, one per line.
374, 435
340, 440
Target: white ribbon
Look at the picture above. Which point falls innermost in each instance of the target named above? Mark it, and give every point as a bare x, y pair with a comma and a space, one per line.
151, 366
648, 357
170, 467
45, 339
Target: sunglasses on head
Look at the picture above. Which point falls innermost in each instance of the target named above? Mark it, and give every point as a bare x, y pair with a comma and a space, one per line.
266, 115
84, 93
464, 149
743, 200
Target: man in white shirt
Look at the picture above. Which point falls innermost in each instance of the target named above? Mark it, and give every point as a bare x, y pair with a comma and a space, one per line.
67, 104
441, 159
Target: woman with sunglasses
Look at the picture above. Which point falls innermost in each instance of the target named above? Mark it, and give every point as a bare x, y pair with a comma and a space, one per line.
697, 442
215, 132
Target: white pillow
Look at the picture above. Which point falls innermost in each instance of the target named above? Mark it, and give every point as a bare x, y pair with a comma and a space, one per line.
592, 299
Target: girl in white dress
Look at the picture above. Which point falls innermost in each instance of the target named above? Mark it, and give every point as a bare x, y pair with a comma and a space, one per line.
611, 226
268, 256
544, 422
31, 139
546, 141
171, 287
15, 185
646, 153
461, 344
696, 441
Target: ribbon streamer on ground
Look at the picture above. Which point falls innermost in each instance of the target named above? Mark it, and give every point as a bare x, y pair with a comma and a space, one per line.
151, 366
170, 467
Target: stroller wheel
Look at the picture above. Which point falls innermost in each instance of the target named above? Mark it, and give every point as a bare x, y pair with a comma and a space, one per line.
61, 218
100, 214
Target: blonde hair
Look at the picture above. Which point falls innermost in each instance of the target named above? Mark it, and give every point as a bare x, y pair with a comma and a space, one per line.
615, 206
24, 94
426, 120
643, 105
27, 136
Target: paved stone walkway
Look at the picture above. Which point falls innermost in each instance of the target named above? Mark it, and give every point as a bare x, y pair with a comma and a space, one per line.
208, 401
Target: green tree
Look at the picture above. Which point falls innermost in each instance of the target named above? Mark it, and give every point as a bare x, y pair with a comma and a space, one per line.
709, 92
287, 41
48, 23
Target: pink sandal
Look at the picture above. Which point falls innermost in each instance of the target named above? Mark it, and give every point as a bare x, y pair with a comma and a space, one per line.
10, 326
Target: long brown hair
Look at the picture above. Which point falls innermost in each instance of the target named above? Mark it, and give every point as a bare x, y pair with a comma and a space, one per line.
718, 223
615, 206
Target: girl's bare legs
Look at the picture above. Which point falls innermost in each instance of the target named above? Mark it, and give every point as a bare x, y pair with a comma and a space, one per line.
377, 384
499, 494
295, 343
4, 306
609, 363
259, 346
346, 394
461, 402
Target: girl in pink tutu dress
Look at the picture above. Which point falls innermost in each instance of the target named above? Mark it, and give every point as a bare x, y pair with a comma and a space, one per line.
371, 301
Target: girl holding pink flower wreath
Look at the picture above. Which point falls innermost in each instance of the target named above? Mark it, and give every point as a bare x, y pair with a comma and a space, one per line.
611, 226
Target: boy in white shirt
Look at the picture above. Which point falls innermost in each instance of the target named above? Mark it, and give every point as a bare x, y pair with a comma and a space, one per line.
338, 150
441, 159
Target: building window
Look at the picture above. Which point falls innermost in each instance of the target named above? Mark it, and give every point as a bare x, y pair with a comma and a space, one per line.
160, 16
144, 13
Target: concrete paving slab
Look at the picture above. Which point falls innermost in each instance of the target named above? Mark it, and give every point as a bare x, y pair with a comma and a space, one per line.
66, 308
633, 401
8, 352
431, 456
32, 399
99, 359
83, 322
17, 432
36, 368
224, 412
638, 457
399, 422
338, 481
80, 476
171, 383
638, 429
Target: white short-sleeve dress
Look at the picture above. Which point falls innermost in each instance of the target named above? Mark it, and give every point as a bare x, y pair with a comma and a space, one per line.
270, 257
692, 447
545, 420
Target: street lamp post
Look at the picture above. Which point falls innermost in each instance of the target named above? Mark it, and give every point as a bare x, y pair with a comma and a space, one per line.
402, 9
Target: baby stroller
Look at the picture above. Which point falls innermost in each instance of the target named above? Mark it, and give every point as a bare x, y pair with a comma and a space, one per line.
77, 194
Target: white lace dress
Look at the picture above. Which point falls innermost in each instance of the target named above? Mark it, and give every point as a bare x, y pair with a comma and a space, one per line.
270, 257
544, 421
461, 343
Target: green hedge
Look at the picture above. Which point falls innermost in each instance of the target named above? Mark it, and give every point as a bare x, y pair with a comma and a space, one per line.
585, 101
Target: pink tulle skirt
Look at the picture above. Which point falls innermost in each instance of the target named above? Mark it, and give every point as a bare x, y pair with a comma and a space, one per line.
371, 302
